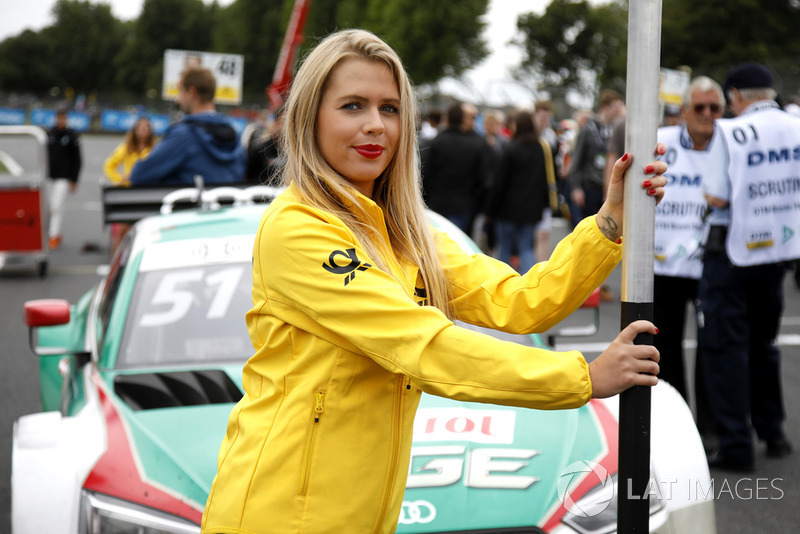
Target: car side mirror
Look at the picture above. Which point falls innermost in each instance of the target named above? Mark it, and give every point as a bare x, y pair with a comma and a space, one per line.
45, 312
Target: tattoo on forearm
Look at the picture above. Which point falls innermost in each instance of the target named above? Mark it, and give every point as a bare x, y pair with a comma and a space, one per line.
608, 226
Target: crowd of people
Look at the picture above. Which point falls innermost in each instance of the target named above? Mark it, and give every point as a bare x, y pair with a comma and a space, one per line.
735, 284
360, 166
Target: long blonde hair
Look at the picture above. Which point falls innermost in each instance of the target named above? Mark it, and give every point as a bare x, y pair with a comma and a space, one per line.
397, 189
133, 143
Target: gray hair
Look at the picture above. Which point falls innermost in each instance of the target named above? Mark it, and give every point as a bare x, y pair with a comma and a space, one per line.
755, 93
703, 84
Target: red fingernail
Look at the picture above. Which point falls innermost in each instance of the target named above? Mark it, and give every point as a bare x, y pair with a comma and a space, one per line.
656, 330
619, 241
651, 191
625, 157
649, 169
647, 183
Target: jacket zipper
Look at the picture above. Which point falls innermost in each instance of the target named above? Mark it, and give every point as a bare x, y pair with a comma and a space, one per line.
397, 421
318, 409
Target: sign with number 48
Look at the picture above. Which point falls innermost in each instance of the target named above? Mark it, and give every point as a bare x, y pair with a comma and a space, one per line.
228, 69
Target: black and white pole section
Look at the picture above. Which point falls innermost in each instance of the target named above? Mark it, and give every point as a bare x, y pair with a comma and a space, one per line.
641, 125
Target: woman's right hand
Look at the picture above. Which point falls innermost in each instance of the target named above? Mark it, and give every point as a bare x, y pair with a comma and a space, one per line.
609, 217
623, 364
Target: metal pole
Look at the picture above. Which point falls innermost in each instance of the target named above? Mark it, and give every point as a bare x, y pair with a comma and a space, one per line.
641, 124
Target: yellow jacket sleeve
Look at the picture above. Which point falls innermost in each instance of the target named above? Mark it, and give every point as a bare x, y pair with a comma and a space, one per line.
489, 293
361, 309
112, 163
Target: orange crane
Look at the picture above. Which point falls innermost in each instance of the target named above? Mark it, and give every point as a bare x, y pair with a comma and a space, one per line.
278, 90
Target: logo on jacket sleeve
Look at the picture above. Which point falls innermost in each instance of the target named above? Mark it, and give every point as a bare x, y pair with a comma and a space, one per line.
348, 270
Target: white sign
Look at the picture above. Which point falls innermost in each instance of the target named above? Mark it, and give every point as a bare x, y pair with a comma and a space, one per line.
228, 69
672, 85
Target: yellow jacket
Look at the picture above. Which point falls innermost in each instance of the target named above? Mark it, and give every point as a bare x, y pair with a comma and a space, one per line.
121, 156
320, 442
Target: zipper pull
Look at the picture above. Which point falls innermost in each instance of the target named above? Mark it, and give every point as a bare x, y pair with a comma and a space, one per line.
318, 407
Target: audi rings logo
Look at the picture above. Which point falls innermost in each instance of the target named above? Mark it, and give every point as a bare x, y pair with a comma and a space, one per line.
416, 512
573, 475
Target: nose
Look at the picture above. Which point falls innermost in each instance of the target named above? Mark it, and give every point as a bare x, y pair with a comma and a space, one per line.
373, 123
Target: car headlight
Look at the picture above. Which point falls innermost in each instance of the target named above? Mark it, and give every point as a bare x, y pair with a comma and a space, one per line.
597, 510
108, 515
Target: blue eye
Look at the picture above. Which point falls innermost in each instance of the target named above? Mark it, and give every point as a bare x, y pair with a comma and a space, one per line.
352, 106
389, 108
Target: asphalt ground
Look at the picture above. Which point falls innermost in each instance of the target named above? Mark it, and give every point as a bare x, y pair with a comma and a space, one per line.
741, 502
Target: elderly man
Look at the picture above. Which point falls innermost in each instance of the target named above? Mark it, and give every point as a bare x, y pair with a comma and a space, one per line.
756, 207
694, 153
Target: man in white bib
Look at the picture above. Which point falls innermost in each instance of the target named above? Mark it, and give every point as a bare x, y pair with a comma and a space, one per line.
694, 152
753, 231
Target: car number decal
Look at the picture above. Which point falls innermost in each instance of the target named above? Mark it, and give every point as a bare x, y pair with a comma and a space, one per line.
174, 292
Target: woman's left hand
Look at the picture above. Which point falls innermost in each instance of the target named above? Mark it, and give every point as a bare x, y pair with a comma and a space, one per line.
609, 217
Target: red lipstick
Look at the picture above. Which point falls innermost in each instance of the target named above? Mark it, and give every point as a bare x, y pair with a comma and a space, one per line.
369, 151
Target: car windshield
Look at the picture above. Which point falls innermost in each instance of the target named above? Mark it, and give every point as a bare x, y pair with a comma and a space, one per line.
189, 305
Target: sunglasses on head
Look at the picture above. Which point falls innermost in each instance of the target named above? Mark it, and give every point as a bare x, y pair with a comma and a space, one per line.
713, 108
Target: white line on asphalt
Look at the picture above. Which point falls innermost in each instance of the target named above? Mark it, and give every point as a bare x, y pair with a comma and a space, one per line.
75, 269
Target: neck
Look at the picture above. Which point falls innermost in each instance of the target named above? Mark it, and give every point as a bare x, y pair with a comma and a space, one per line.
700, 141
202, 108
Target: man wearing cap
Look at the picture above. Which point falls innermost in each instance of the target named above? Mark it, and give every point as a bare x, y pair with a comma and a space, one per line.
753, 231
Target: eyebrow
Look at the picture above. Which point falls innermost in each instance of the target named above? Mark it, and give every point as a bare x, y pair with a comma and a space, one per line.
360, 98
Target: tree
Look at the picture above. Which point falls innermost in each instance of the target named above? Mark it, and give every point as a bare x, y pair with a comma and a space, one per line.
575, 45
714, 35
162, 25
254, 29
434, 39
25, 65
85, 38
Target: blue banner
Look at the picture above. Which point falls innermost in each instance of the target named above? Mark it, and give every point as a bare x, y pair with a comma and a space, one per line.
12, 116
160, 123
46, 118
114, 120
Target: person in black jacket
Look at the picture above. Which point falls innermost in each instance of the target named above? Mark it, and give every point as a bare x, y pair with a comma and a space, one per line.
454, 169
64, 166
519, 192
589, 156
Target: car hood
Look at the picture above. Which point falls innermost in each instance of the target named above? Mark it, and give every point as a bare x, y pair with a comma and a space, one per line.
164, 447
472, 465
478, 466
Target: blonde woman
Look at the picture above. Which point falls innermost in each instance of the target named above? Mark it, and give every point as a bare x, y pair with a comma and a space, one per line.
137, 145
354, 296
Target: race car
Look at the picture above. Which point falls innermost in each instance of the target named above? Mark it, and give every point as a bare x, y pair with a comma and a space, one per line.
138, 377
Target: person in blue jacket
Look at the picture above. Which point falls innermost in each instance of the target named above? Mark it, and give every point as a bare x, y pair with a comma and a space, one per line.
203, 143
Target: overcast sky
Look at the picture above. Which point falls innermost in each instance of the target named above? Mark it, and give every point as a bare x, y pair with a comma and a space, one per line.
488, 83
